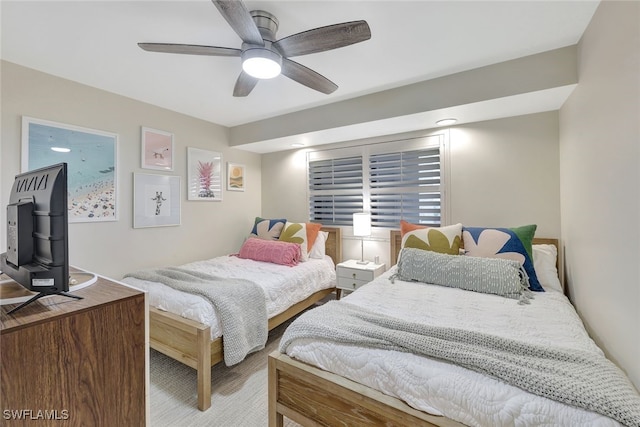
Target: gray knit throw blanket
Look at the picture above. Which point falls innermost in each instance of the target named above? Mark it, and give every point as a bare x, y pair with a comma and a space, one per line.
573, 377
240, 305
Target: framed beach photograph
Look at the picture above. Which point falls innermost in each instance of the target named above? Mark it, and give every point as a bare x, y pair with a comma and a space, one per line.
156, 200
157, 149
204, 175
235, 176
91, 157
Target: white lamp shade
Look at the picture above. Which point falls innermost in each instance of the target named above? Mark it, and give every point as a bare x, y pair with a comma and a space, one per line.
361, 224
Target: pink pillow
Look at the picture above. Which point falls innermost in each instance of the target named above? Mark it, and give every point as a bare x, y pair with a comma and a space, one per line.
273, 251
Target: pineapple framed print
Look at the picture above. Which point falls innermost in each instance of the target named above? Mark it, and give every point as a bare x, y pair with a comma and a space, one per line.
204, 175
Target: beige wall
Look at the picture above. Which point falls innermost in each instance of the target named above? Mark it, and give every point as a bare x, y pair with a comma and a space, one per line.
114, 248
600, 183
502, 173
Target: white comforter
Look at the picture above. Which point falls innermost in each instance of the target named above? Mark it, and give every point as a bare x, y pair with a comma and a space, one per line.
283, 286
445, 389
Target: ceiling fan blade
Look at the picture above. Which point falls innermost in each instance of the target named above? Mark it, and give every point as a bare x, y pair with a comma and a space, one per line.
240, 20
190, 49
324, 38
244, 84
307, 77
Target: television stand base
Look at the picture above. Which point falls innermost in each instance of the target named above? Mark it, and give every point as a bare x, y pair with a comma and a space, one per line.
40, 295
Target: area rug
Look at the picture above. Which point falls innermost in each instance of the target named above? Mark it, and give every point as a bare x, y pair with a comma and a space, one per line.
239, 393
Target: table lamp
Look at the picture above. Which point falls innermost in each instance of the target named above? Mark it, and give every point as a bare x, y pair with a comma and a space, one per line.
362, 228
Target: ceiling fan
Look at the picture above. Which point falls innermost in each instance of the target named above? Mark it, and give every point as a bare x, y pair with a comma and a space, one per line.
265, 57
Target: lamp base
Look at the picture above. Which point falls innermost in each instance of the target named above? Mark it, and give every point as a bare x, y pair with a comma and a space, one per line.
362, 261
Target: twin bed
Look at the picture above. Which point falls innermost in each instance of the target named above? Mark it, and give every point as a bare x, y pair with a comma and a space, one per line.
349, 372
186, 327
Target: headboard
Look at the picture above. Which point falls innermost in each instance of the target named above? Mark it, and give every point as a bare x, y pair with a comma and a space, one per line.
395, 243
333, 245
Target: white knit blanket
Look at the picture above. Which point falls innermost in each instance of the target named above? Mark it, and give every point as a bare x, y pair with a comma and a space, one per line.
572, 377
240, 304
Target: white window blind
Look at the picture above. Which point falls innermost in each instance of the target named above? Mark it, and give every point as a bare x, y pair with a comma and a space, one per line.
335, 189
392, 180
405, 185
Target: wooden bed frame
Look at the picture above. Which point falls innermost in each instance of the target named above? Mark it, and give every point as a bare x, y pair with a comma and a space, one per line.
189, 342
313, 397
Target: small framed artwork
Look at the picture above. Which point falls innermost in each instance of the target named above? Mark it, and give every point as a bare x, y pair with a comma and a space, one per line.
157, 149
91, 157
235, 177
204, 175
156, 200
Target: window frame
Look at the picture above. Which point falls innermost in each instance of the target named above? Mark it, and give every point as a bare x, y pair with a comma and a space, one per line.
438, 139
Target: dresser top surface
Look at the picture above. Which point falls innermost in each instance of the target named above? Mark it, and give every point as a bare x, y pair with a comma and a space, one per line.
103, 291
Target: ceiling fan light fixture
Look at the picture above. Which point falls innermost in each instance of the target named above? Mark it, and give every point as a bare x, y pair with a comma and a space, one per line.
261, 63
263, 56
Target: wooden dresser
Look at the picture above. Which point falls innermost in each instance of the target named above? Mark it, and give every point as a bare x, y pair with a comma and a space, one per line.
69, 362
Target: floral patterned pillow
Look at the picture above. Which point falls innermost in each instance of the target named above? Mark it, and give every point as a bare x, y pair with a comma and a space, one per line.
445, 240
509, 243
267, 229
302, 233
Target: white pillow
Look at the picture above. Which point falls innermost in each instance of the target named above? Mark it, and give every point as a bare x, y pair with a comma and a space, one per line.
544, 262
318, 248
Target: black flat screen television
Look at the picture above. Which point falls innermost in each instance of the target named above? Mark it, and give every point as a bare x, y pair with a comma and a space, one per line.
37, 254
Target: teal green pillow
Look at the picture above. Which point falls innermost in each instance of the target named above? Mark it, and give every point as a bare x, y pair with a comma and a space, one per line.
509, 243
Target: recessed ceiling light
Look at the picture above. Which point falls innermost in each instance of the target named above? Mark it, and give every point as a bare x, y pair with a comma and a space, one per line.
446, 122
61, 149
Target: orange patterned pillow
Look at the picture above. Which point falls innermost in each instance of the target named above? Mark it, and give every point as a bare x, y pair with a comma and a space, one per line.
406, 227
312, 233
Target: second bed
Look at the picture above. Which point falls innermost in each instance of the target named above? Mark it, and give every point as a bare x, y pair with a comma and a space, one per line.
187, 328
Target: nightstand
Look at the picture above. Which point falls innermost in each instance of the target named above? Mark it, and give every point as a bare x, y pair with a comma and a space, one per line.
351, 275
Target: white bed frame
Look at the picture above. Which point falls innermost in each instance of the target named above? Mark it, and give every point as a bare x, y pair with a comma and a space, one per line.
190, 342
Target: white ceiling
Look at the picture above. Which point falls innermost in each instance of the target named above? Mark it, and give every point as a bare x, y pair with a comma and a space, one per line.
94, 43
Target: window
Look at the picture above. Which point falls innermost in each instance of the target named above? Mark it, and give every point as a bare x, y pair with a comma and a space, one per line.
335, 188
392, 180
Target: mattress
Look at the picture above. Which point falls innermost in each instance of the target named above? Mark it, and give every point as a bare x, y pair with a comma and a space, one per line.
442, 388
283, 286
